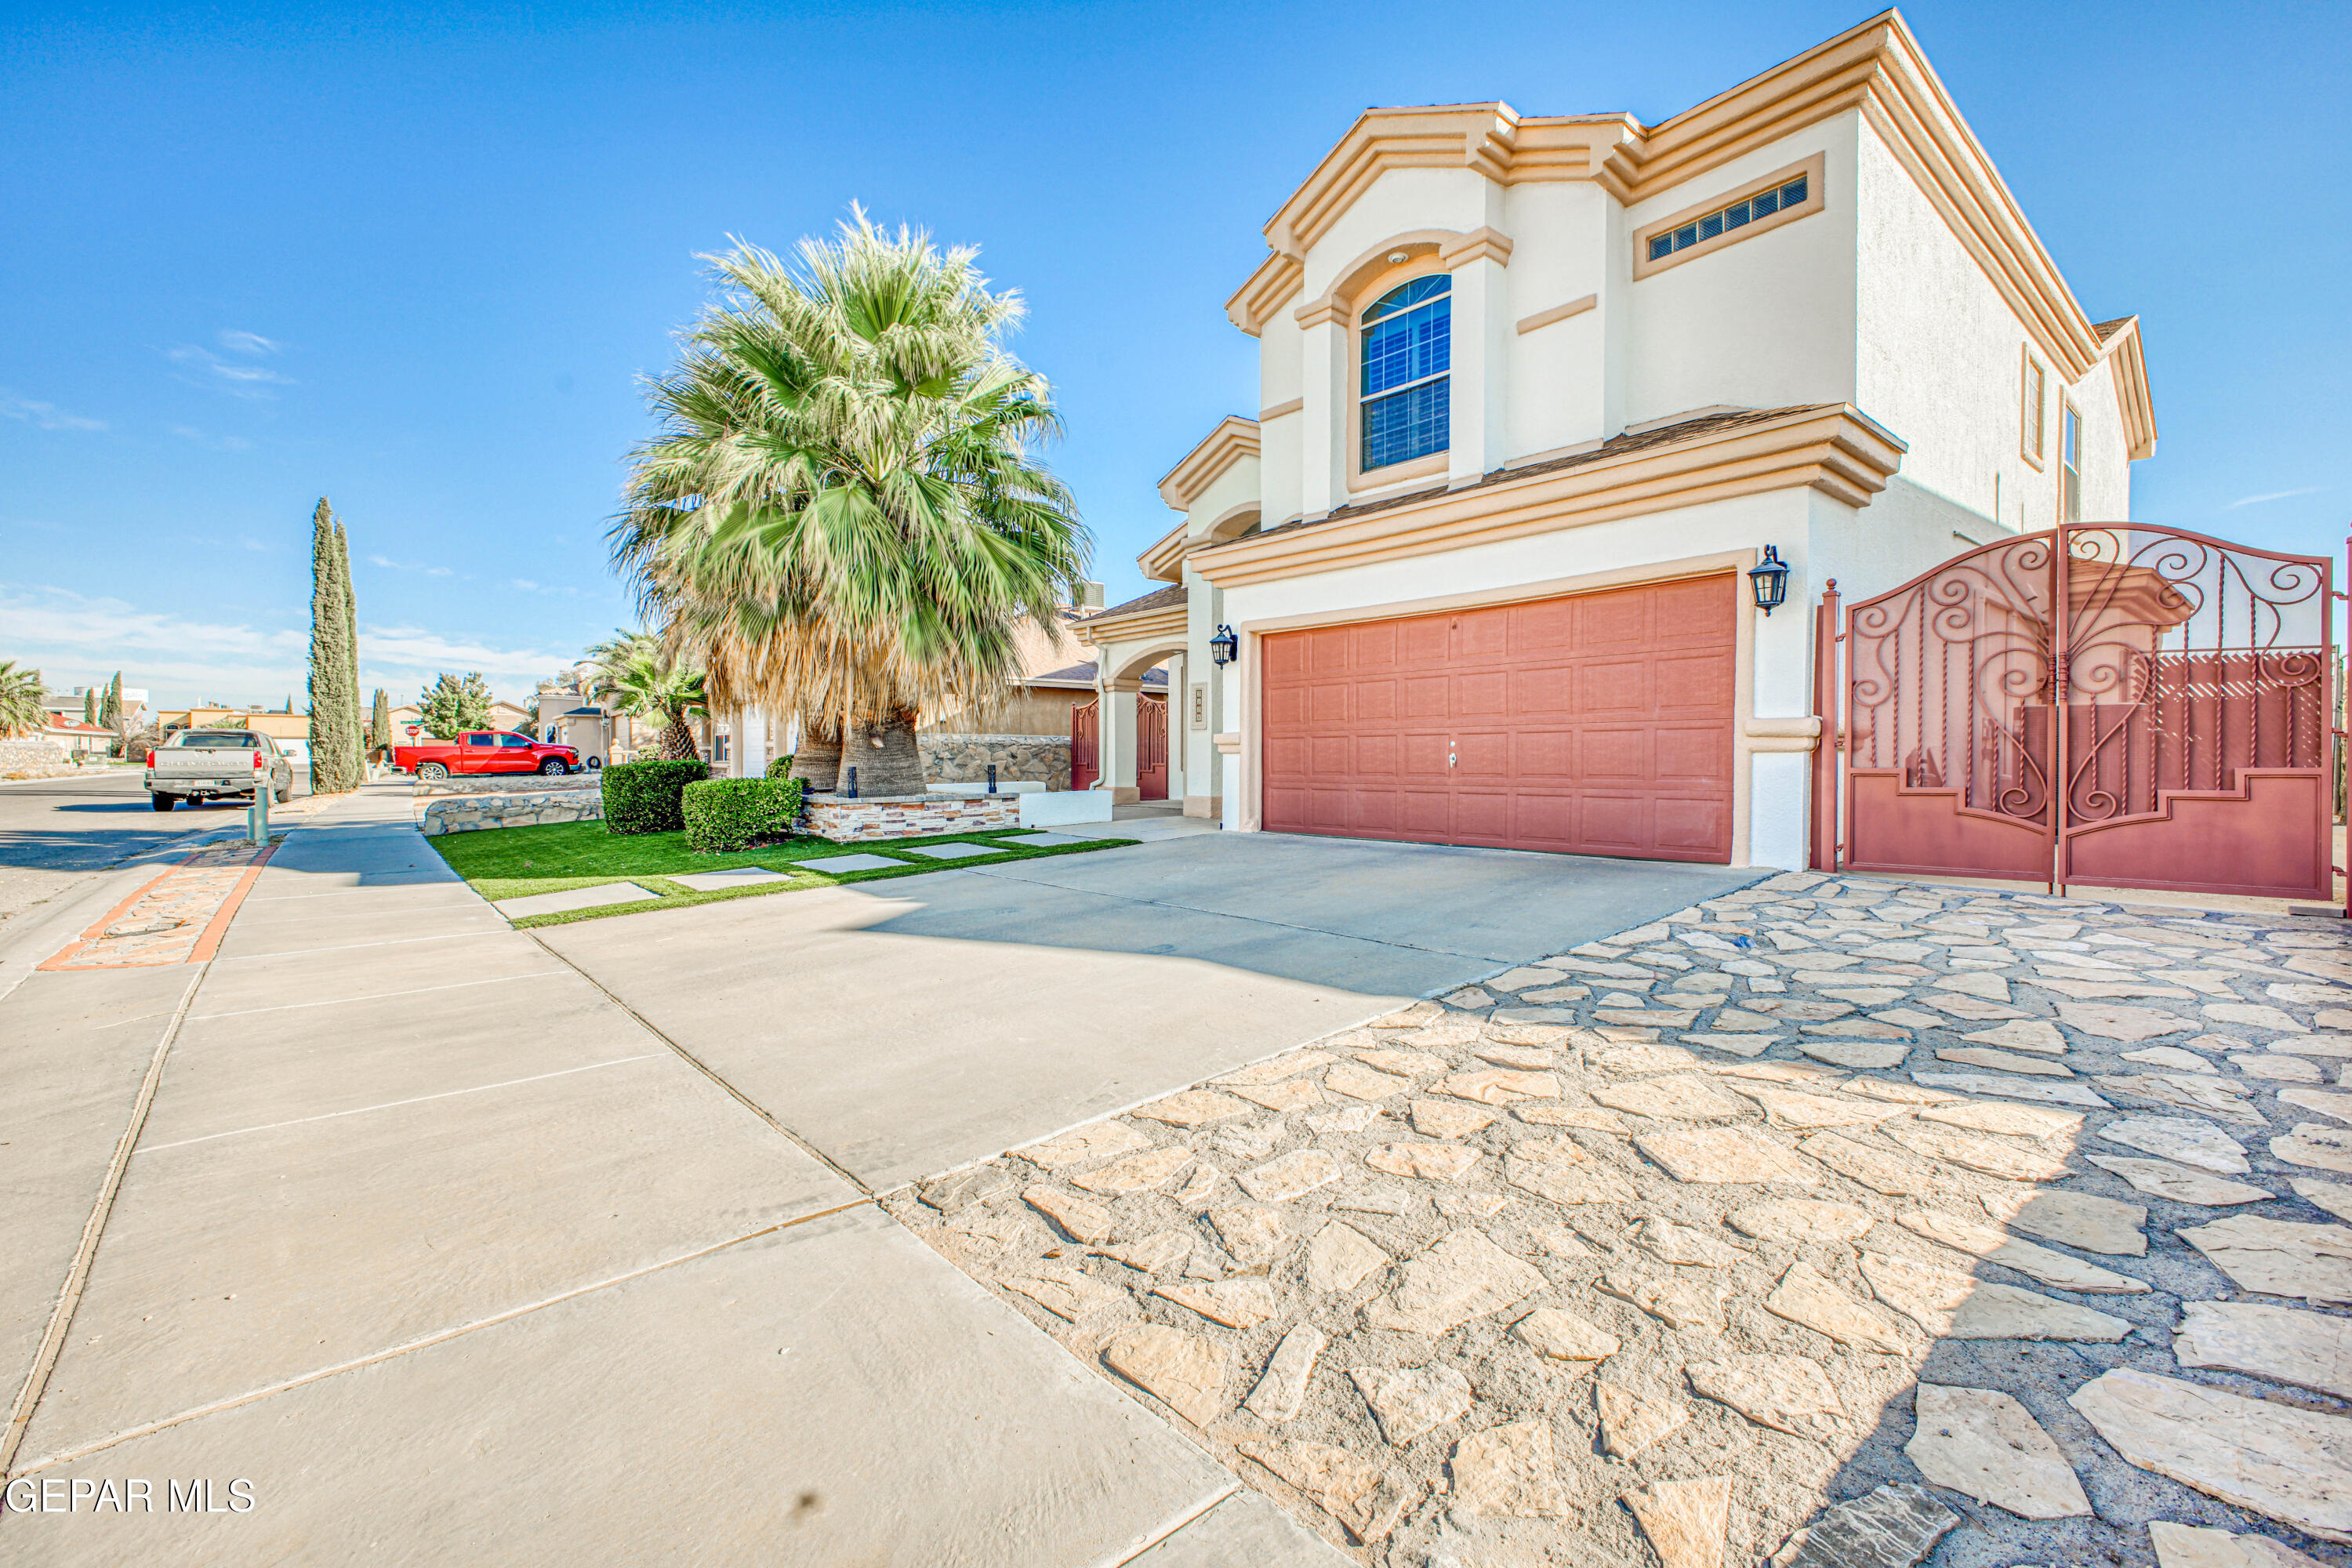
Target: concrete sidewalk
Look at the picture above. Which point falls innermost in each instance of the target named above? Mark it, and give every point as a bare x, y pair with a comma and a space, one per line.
451, 1258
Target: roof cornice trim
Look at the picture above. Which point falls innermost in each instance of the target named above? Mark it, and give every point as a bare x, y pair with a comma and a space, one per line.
1841, 452
2128, 366
1164, 559
1234, 439
1097, 630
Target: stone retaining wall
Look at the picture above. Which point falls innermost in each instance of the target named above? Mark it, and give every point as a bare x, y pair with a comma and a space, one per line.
910, 815
477, 813
507, 784
34, 758
964, 759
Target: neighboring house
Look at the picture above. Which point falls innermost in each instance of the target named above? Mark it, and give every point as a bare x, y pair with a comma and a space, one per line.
79, 739
1050, 685
1536, 393
279, 725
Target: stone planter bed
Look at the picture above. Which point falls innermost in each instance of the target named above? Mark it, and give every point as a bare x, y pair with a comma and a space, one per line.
874, 818
509, 784
474, 813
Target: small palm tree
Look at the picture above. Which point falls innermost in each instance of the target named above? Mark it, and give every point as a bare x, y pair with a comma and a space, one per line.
642, 678
21, 691
843, 515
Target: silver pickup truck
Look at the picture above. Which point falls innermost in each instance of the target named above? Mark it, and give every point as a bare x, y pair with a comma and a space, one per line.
198, 765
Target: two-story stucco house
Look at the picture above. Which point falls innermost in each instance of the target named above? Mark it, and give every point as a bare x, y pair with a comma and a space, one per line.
1539, 392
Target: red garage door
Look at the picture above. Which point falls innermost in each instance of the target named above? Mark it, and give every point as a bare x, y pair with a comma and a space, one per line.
1596, 724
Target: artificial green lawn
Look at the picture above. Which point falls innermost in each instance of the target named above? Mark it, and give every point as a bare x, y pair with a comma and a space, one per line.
512, 862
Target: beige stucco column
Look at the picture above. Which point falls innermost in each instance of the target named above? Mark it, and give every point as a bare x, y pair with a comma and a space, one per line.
1325, 390
1481, 304
1116, 737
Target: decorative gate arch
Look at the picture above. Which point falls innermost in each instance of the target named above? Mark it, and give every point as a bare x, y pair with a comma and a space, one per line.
2109, 703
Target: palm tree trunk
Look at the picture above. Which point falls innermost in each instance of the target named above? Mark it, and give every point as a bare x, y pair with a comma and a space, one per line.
884, 751
818, 762
677, 742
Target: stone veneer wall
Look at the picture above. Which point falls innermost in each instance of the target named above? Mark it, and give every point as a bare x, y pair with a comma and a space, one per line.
910, 815
35, 757
474, 813
964, 759
507, 784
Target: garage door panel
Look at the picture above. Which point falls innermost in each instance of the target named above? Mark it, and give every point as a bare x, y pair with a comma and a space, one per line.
1597, 723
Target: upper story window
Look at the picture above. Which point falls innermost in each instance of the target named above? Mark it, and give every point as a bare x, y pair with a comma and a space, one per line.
1408, 348
1722, 221
2070, 465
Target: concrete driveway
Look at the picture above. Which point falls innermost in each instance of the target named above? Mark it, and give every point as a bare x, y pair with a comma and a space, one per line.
911, 1027
459, 1243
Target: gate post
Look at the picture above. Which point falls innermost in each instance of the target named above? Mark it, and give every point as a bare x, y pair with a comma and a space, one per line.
1831, 743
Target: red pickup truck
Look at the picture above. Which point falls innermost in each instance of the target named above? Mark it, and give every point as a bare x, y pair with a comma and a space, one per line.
485, 751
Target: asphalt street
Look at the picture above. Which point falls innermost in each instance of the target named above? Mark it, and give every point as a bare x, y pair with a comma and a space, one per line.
55, 834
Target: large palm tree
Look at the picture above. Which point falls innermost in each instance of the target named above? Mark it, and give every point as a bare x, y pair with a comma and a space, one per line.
21, 691
643, 677
843, 515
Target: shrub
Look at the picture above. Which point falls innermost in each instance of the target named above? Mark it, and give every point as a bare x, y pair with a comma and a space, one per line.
727, 815
642, 797
780, 767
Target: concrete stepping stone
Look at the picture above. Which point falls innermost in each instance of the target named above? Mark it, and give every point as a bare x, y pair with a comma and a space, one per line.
2320, 1147
2309, 1350
2336, 1198
839, 863
1410, 1401
1685, 1520
2044, 1263
2279, 1258
1784, 1393
2129, 1025
1718, 1155
1281, 1389
1240, 1303
1357, 1491
2016, 1088
1289, 1176
1340, 1257
1857, 1054
2278, 1461
1631, 1422
2012, 1120
1677, 1096
1463, 1276
1950, 1305
1893, 1526
1984, 1445
1509, 1472
2162, 1179
1882, 1170
595, 897
1800, 1220
1564, 1336
1185, 1372
2003, 1062
954, 851
1991, 1156
1086, 1145
1136, 1172
2192, 1143
2025, 1035
1803, 1297
2079, 1219
2182, 1546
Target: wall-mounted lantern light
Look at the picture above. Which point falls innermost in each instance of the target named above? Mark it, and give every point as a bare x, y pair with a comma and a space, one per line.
1225, 647
1770, 581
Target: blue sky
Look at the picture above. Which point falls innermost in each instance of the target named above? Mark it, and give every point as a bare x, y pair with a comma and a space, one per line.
414, 259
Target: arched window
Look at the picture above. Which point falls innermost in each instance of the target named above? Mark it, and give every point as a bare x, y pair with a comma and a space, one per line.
1408, 350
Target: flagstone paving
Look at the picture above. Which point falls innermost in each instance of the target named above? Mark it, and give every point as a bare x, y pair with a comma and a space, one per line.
1711, 1243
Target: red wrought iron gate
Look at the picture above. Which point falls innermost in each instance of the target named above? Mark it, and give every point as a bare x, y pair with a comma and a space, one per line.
2113, 704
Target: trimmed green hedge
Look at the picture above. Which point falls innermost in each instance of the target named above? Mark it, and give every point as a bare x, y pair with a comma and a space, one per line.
644, 797
723, 816
780, 767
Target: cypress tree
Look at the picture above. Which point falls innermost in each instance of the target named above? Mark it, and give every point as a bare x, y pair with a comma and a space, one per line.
334, 689
356, 751
380, 721
90, 705
112, 714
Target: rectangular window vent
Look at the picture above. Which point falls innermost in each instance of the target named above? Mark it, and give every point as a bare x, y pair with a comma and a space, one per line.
1739, 215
